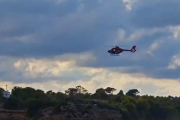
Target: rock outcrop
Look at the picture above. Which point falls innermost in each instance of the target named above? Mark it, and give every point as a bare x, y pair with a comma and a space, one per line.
12, 115
69, 112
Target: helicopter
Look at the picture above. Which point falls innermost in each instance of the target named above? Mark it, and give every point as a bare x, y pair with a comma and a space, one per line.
117, 50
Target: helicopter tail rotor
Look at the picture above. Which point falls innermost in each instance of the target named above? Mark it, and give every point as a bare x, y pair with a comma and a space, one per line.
133, 49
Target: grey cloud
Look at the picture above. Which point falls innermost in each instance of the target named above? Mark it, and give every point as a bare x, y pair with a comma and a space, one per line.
156, 13
141, 62
57, 29
16, 76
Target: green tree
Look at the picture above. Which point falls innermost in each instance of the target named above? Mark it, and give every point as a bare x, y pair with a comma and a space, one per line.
17, 91
39, 94
34, 107
142, 107
48, 93
101, 93
110, 90
132, 92
81, 90
121, 93
130, 105
23, 93
1, 89
60, 95
71, 92
1, 93
13, 103
118, 98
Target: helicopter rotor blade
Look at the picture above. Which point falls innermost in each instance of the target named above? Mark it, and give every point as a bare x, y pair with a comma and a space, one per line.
123, 46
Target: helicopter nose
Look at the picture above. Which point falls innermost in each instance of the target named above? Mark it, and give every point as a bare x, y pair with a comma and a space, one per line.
109, 51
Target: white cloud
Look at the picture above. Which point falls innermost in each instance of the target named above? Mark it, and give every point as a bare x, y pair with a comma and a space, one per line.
105, 78
164, 36
154, 46
43, 67
53, 67
176, 31
139, 33
175, 63
97, 77
129, 3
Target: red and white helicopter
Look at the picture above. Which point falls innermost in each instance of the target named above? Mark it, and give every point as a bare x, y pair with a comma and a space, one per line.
117, 50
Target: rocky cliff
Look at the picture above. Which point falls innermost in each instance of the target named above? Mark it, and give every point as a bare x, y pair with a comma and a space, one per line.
70, 112
12, 115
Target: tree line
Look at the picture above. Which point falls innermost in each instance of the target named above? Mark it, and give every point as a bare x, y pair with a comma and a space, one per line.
130, 104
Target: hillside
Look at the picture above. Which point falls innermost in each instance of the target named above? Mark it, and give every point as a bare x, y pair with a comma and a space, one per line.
77, 103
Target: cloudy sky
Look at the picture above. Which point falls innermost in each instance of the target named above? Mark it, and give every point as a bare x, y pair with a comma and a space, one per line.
57, 44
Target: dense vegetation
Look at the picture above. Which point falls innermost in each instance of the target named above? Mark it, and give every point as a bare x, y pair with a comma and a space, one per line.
133, 106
